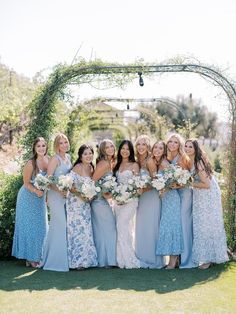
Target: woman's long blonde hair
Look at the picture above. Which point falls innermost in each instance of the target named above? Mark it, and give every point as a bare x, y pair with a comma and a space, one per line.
57, 140
147, 142
181, 149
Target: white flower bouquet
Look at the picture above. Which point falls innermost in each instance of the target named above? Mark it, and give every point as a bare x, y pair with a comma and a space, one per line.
41, 182
182, 176
64, 182
142, 181
86, 187
106, 184
124, 193
170, 176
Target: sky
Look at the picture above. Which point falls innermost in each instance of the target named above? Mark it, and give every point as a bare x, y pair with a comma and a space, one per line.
36, 35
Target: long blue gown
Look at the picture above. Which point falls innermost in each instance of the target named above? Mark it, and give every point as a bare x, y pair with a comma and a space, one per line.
147, 228
186, 199
170, 241
81, 248
30, 225
104, 231
55, 248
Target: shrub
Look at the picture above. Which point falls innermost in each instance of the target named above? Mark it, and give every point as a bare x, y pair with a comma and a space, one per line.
9, 187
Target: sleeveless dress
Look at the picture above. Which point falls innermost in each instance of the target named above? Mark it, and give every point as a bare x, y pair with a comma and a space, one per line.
104, 231
147, 228
209, 241
170, 241
55, 248
81, 248
125, 224
186, 199
31, 224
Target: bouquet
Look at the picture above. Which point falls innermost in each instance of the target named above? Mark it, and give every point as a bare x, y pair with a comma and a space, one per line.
86, 187
126, 192
64, 182
41, 182
106, 184
171, 175
182, 176
142, 181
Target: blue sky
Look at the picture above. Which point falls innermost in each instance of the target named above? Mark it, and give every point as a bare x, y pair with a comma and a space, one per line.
36, 35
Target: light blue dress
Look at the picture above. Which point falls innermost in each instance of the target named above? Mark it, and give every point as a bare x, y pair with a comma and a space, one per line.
55, 249
104, 231
147, 228
209, 239
30, 225
81, 248
170, 241
186, 199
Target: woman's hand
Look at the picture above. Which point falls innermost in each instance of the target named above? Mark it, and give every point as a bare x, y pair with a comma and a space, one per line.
175, 186
63, 193
39, 193
107, 195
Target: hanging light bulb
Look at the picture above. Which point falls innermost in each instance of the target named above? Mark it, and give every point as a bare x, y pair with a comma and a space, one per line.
141, 82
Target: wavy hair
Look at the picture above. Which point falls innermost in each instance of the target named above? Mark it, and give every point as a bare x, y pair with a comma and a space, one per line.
35, 155
146, 140
200, 157
119, 157
80, 153
181, 150
102, 150
164, 156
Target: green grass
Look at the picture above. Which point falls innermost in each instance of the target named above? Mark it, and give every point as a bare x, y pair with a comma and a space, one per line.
26, 290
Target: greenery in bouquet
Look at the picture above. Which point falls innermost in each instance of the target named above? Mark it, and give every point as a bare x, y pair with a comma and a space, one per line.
106, 184
41, 182
86, 187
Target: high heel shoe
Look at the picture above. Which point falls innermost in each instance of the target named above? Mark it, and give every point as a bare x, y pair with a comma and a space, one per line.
174, 263
32, 264
205, 266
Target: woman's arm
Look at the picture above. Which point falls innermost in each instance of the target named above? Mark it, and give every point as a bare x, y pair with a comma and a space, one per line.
135, 168
151, 167
52, 165
101, 168
27, 175
204, 179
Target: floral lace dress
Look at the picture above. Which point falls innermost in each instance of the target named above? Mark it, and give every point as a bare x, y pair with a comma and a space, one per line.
125, 224
209, 239
81, 249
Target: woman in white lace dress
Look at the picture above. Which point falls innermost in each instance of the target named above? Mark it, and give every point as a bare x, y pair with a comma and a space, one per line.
125, 169
209, 239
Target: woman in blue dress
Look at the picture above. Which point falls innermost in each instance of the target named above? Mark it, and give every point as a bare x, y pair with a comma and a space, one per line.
103, 219
81, 249
55, 249
31, 214
170, 240
209, 239
177, 156
149, 210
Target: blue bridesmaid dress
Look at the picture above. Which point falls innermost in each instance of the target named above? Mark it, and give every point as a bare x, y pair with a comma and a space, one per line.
170, 241
186, 200
55, 248
147, 228
30, 225
104, 231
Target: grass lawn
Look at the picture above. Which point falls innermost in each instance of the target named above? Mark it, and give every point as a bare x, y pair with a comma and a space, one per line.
25, 290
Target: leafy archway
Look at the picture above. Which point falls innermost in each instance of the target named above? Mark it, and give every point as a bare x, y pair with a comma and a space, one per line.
42, 108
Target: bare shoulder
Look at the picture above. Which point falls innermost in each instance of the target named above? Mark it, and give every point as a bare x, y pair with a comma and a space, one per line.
77, 169
28, 165
103, 164
150, 161
135, 167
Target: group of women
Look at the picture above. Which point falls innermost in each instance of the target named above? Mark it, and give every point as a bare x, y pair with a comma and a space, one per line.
183, 223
